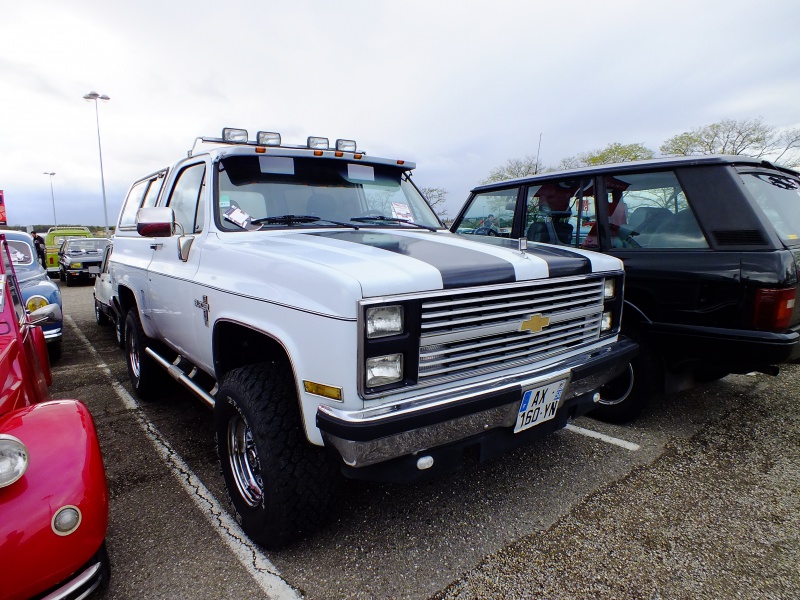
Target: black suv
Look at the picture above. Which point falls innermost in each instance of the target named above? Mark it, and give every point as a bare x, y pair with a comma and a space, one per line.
711, 247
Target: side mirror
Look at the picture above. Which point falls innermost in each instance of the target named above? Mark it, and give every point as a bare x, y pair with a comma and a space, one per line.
155, 221
46, 315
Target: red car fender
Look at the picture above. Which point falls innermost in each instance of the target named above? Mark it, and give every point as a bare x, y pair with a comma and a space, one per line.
40, 345
65, 467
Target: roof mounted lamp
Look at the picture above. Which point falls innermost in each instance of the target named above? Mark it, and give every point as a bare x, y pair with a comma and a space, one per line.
268, 138
234, 136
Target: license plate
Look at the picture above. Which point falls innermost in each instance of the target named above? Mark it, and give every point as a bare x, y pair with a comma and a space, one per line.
94, 270
539, 405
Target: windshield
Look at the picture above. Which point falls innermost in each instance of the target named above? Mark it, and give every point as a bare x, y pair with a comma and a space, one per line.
778, 195
86, 245
266, 187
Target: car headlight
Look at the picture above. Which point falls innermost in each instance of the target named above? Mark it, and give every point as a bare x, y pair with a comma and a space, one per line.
383, 370
75, 265
384, 320
609, 289
13, 459
35, 302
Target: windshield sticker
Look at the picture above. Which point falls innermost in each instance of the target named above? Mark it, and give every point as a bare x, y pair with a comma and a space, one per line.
224, 201
238, 217
276, 165
360, 172
401, 211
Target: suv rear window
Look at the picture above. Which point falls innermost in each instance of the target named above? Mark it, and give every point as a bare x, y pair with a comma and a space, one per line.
778, 196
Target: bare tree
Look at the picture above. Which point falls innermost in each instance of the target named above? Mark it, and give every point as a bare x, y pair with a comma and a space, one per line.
436, 197
514, 168
747, 137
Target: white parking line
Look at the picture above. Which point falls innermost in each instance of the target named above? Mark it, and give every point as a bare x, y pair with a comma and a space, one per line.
257, 565
603, 437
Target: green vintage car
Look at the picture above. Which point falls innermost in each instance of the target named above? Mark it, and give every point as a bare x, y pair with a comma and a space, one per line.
53, 239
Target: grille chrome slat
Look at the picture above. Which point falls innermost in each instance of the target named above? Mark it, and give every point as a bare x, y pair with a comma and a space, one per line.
480, 330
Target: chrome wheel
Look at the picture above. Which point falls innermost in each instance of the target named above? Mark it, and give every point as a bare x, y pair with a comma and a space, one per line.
618, 389
244, 463
133, 355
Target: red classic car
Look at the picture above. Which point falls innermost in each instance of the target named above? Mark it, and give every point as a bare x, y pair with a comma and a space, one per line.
53, 496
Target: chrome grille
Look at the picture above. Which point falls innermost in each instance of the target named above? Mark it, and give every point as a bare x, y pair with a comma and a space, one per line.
480, 331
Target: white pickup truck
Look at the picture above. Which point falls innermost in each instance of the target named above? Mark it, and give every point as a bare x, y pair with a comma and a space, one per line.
311, 296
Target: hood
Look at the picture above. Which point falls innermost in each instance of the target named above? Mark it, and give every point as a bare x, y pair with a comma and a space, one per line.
370, 263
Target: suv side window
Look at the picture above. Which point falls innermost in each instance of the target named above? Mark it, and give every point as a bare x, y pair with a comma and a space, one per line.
186, 199
561, 212
650, 210
490, 213
132, 204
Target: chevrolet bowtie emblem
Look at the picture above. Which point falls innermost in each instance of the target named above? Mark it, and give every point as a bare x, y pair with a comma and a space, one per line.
535, 323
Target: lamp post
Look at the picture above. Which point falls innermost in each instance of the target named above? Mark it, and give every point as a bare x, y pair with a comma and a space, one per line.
94, 97
53, 197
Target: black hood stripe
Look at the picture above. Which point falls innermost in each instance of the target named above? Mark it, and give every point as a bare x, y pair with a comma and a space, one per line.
561, 261
459, 267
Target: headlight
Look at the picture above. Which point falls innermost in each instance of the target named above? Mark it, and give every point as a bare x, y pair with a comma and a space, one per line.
383, 370
609, 289
13, 459
606, 321
75, 265
384, 320
36, 302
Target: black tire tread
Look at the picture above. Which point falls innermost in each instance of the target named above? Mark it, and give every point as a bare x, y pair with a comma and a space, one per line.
302, 484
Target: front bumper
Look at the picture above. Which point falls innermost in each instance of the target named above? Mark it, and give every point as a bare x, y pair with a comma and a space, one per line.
370, 436
80, 274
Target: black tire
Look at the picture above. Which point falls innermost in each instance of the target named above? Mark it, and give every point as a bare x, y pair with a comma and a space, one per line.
147, 377
68, 280
119, 327
54, 351
61, 275
622, 399
99, 316
279, 484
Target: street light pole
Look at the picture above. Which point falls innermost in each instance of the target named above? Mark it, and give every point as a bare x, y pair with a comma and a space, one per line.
94, 96
53, 197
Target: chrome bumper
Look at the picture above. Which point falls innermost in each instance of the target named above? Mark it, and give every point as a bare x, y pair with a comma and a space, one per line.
81, 586
373, 435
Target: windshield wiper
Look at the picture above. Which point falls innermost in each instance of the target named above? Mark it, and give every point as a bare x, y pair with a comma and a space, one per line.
289, 220
391, 220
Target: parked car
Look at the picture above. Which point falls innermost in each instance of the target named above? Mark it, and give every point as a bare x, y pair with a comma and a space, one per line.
53, 495
106, 304
711, 247
79, 259
38, 289
53, 239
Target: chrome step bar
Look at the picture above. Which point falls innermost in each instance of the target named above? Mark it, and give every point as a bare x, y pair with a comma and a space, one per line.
178, 374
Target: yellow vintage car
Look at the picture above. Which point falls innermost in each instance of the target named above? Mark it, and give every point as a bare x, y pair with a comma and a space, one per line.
53, 239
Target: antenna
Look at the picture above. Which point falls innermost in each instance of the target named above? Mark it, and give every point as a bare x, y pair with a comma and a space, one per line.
538, 152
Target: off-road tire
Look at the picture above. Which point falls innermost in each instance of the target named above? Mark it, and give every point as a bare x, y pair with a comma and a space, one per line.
119, 330
147, 377
624, 398
293, 485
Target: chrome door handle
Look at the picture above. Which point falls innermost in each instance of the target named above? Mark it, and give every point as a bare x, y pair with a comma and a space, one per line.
156, 246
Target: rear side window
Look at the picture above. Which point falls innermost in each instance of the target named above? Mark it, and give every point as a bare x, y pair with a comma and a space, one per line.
650, 210
142, 194
778, 196
562, 213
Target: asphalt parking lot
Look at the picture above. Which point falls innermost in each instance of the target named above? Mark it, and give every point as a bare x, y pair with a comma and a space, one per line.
700, 498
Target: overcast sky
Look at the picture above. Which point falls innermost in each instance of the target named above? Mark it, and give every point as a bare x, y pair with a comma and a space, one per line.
456, 86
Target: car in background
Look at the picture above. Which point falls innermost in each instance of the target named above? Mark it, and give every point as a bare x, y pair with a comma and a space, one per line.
79, 259
53, 239
53, 493
38, 289
107, 309
711, 247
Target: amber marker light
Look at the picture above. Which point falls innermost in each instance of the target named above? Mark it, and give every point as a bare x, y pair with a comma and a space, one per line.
401, 162
320, 389
358, 155
260, 150
317, 152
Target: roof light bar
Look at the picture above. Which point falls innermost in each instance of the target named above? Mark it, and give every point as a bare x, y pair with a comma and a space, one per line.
234, 135
268, 138
346, 145
318, 143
